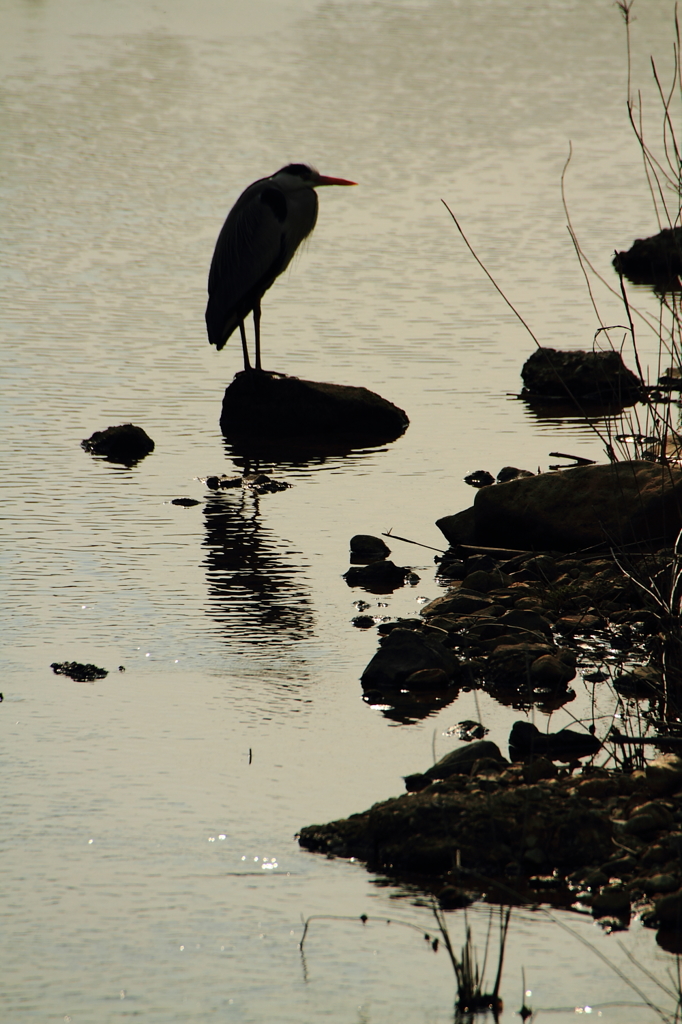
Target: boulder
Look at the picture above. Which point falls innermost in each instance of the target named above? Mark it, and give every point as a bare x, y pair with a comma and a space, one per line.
126, 444
457, 762
273, 405
656, 260
403, 652
578, 375
565, 511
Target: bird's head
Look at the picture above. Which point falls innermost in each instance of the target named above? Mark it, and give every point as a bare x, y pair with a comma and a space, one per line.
295, 176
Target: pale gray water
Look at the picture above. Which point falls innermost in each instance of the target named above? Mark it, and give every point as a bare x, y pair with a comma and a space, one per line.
132, 817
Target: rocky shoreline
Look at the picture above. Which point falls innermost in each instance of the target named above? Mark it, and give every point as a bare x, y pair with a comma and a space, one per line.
602, 841
576, 818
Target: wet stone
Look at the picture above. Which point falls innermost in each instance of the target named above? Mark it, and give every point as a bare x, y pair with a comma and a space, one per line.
126, 444
661, 884
78, 672
365, 547
613, 899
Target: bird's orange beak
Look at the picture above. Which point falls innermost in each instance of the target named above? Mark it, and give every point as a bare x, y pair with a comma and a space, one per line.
322, 180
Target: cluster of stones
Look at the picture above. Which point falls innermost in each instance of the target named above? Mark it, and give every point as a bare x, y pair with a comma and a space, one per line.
510, 623
600, 840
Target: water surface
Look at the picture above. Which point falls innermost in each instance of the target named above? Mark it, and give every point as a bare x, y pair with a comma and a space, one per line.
150, 868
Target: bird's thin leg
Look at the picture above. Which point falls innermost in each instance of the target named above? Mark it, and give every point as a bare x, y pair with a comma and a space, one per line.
256, 327
242, 331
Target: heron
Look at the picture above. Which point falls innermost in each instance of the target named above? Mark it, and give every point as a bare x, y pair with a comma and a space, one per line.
257, 242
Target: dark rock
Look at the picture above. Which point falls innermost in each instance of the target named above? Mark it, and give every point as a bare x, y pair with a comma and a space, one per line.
427, 679
377, 577
539, 769
459, 528
468, 730
664, 775
365, 548
668, 909
481, 582
669, 938
578, 375
642, 681
619, 867
511, 473
582, 622
661, 884
481, 563
617, 504
613, 899
263, 484
526, 742
126, 444
185, 502
457, 762
453, 569
384, 628
78, 672
544, 566
648, 818
479, 478
216, 483
656, 260
363, 621
509, 665
458, 601
403, 652
550, 671
452, 898
525, 622
263, 405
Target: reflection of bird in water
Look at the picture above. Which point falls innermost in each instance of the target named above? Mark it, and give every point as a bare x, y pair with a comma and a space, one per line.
256, 590
262, 232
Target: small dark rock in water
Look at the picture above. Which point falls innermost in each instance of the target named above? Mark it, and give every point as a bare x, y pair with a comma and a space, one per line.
511, 473
365, 548
452, 898
584, 376
363, 621
126, 444
218, 483
185, 502
468, 730
656, 260
262, 484
377, 577
526, 741
479, 478
80, 673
